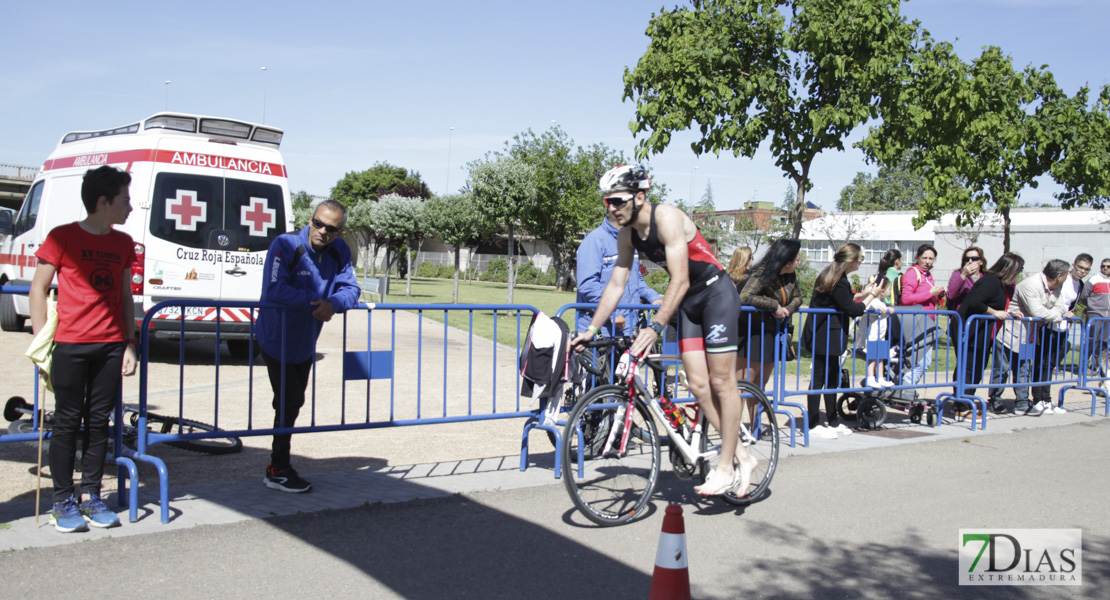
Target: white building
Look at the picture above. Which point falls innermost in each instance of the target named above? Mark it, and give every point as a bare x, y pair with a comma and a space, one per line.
1037, 234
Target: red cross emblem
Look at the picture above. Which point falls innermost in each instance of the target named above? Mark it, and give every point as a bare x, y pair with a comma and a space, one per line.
258, 217
185, 210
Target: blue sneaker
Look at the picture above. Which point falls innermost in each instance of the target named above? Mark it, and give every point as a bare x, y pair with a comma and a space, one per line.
97, 514
66, 517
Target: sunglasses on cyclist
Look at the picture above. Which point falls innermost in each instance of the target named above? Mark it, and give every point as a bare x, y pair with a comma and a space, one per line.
318, 224
618, 201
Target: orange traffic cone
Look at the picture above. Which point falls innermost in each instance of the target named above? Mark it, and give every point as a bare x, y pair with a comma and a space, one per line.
671, 579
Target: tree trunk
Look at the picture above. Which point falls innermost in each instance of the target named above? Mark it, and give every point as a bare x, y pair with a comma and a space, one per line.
1005, 228
512, 259
799, 206
408, 275
374, 259
455, 295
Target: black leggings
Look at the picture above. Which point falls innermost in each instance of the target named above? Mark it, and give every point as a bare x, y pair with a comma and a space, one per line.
86, 381
296, 382
826, 374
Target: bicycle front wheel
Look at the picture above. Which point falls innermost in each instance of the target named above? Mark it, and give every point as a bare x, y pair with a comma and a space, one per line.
213, 445
761, 441
609, 486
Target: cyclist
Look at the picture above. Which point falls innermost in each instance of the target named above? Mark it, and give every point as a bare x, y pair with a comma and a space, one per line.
700, 294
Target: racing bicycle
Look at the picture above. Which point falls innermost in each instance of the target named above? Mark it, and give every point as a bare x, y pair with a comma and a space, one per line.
612, 442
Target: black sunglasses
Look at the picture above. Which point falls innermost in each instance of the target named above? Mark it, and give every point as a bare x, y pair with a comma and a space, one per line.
617, 201
318, 224
968, 259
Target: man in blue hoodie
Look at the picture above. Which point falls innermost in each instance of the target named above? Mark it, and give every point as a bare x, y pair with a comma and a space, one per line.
597, 255
309, 273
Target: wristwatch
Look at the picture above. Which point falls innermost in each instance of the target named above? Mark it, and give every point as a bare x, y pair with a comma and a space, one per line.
658, 327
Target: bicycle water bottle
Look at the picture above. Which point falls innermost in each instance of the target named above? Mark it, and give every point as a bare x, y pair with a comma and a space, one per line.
673, 412
622, 366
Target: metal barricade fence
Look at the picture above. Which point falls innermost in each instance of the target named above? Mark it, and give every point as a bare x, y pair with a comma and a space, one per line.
1025, 354
1095, 362
473, 378
920, 360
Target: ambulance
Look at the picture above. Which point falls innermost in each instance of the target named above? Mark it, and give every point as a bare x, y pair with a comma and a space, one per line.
208, 196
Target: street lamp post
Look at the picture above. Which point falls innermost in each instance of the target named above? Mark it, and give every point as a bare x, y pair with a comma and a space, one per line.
265, 81
167, 105
692, 171
447, 186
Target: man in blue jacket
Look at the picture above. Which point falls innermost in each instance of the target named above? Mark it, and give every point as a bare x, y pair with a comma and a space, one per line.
597, 255
310, 273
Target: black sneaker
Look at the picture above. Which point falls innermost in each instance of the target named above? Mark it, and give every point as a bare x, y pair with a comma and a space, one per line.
286, 480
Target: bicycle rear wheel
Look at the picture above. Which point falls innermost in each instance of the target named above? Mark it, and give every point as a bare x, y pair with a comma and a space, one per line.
612, 487
762, 443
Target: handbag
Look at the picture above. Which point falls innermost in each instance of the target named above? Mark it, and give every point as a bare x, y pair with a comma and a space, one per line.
791, 351
41, 350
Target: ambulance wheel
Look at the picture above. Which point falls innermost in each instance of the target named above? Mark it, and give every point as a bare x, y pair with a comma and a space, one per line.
9, 319
241, 349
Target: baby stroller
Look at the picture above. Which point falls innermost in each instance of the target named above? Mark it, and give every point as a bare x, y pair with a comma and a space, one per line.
914, 333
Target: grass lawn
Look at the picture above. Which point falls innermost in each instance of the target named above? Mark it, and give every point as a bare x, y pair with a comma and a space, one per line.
439, 291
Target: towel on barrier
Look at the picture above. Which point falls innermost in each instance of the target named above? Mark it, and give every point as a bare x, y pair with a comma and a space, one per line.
41, 350
543, 360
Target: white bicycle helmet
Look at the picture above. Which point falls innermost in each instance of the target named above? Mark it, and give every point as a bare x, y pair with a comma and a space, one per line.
625, 177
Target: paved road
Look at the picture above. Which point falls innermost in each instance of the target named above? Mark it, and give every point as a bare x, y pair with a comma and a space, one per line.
876, 521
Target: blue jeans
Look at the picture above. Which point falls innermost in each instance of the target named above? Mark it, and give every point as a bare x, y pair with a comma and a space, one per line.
923, 359
1000, 368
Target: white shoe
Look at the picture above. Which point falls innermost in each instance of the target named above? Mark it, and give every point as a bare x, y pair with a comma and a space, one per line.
886, 383
1059, 410
872, 383
843, 429
822, 432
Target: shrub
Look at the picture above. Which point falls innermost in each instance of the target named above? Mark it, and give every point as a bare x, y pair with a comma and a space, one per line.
658, 280
447, 272
528, 273
497, 270
427, 269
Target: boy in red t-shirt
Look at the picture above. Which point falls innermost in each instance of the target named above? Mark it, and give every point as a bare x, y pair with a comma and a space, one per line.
94, 344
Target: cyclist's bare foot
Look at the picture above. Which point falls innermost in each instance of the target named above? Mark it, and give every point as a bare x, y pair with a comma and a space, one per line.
719, 482
744, 481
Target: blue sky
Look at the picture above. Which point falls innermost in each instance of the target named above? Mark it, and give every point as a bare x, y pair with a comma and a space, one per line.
353, 83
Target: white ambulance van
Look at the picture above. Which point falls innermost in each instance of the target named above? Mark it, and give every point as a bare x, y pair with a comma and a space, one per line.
209, 195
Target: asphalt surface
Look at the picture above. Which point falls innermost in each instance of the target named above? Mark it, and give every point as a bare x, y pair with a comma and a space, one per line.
864, 516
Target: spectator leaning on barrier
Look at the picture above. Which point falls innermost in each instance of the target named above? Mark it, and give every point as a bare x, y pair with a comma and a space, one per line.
1035, 297
972, 264
1070, 293
990, 296
94, 341
919, 289
772, 287
597, 255
827, 335
1096, 295
890, 267
702, 298
310, 273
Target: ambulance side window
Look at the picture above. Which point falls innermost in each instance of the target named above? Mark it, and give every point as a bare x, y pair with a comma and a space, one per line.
29, 212
186, 208
255, 212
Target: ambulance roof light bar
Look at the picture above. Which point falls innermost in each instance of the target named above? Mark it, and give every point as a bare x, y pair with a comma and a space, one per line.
84, 135
225, 128
186, 124
268, 136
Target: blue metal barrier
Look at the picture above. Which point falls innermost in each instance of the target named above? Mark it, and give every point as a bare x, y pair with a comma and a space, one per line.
372, 363
1094, 364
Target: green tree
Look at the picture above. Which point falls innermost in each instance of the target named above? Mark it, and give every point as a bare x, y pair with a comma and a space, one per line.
400, 220
801, 74
895, 187
977, 133
567, 200
377, 181
302, 209
505, 192
1084, 170
360, 222
456, 221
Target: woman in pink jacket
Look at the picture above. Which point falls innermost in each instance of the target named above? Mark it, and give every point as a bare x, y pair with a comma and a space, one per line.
919, 289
